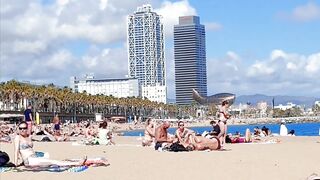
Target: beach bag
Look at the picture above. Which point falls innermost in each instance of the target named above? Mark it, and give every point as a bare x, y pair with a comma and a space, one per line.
176, 147
4, 158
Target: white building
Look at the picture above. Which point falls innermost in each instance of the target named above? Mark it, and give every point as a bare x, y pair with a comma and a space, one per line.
126, 87
146, 52
285, 107
317, 103
155, 93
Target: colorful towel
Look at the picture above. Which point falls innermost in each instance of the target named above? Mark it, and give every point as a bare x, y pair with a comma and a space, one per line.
5, 169
78, 169
49, 169
62, 168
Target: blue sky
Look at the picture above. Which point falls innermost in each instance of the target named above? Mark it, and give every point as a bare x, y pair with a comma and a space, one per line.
253, 47
257, 27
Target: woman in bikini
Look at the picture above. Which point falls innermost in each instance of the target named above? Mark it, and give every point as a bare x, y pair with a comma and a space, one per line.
149, 133
223, 116
23, 147
184, 135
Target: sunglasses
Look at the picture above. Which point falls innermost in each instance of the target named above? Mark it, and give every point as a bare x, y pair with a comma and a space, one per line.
23, 128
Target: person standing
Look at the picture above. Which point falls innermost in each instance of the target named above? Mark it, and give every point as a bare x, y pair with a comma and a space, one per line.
223, 116
283, 129
28, 118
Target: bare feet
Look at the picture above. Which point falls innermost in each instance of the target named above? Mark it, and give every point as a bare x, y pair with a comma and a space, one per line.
105, 163
83, 162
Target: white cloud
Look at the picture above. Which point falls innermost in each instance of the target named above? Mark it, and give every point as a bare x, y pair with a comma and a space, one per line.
280, 73
308, 12
304, 13
34, 47
277, 54
60, 60
292, 66
313, 64
106, 63
170, 11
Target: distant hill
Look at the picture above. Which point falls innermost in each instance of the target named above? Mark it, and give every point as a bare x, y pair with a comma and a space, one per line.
254, 99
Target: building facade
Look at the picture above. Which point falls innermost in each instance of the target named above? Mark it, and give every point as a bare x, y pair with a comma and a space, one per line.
190, 59
146, 52
120, 88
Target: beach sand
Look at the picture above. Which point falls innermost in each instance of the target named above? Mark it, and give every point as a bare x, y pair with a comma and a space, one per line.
292, 158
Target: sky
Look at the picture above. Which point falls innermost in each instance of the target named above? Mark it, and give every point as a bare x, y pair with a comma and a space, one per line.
253, 47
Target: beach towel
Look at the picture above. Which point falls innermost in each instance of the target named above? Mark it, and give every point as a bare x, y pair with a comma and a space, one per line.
48, 169
78, 169
5, 169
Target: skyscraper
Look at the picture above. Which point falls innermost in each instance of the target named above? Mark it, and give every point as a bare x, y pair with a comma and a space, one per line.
190, 59
146, 53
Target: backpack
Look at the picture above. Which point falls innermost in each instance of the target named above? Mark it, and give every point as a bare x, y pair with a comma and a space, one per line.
4, 158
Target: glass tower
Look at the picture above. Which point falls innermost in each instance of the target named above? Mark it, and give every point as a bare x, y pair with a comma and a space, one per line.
146, 52
190, 59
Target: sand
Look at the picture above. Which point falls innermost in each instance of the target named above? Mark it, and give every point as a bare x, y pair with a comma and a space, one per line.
292, 158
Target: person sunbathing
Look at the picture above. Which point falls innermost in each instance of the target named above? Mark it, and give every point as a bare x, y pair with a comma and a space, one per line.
201, 143
23, 147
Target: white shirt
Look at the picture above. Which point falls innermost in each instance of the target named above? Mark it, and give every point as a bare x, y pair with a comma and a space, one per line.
283, 130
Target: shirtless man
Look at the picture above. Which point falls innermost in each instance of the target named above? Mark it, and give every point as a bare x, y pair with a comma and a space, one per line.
161, 136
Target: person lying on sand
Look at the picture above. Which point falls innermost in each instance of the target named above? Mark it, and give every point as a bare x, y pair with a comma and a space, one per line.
202, 143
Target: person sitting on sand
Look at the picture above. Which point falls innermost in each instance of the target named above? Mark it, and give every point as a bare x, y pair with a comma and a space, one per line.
258, 132
24, 148
215, 128
56, 125
266, 131
161, 136
184, 135
104, 135
291, 133
149, 133
90, 132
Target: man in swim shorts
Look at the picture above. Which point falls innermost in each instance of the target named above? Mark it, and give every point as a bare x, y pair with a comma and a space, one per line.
161, 136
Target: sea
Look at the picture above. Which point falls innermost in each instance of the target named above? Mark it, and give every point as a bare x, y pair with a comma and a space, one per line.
301, 129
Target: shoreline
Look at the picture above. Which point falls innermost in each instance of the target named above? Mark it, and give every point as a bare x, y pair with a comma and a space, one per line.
127, 127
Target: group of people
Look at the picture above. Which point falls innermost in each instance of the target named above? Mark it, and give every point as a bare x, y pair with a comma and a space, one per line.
26, 132
23, 151
186, 137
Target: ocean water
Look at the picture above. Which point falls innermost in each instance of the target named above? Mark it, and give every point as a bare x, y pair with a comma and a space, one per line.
301, 129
